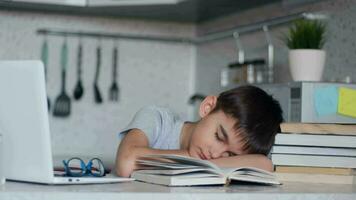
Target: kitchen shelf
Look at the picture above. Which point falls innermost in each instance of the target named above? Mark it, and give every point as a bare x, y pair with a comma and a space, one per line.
197, 40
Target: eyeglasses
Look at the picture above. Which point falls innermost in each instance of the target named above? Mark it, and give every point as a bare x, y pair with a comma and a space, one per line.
76, 167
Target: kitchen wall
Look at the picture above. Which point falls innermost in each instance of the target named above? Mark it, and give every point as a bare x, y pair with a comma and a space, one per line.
340, 44
149, 73
157, 72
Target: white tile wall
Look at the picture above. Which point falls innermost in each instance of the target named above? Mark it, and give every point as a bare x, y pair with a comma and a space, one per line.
149, 73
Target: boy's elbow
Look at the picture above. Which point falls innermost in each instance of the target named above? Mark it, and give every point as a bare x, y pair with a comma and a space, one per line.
123, 172
267, 164
125, 164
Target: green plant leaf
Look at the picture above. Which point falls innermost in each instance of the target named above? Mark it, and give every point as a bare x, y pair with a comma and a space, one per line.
306, 34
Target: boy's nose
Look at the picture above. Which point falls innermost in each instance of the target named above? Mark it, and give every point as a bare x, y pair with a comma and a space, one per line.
218, 152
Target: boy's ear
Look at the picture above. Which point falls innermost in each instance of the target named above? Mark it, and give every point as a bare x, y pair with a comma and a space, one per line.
207, 105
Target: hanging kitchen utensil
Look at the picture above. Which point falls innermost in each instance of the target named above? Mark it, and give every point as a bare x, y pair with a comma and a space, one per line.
114, 89
226, 75
44, 58
62, 105
97, 95
247, 69
270, 71
240, 49
79, 90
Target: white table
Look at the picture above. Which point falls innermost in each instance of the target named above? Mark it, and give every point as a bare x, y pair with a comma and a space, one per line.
138, 190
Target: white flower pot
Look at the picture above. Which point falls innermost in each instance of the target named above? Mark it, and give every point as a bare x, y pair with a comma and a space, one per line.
306, 64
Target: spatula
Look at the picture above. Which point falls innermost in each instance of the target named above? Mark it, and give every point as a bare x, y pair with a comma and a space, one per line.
97, 95
62, 105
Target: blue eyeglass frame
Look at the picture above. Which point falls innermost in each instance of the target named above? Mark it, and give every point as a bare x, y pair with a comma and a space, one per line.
86, 169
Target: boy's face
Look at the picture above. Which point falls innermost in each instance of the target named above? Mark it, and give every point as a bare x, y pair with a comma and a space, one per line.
214, 137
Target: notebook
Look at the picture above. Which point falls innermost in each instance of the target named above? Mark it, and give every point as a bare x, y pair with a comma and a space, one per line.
24, 125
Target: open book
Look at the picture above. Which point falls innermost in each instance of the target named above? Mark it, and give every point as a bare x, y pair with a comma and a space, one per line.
175, 170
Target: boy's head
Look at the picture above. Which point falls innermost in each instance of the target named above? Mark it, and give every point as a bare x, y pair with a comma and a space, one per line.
239, 121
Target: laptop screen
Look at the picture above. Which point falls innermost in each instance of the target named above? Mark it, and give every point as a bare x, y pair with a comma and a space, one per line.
24, 121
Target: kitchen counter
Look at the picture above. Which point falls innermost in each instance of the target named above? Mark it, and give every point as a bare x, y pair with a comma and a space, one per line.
138, 190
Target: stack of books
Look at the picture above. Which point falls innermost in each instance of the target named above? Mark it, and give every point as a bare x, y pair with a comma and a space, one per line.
318, 153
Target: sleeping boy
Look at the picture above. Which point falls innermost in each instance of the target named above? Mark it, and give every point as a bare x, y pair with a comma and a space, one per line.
236, 129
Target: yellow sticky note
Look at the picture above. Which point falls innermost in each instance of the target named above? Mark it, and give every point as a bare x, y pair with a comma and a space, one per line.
347, 102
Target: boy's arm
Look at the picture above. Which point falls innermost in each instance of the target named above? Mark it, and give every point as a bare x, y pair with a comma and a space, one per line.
248, 160
134, 145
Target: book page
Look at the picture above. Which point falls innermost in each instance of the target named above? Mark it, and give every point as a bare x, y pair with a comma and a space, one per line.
255, 175
185, 160
166, 165
252, 171
180, 171
254, 179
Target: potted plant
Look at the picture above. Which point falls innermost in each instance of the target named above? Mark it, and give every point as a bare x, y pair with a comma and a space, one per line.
305, 40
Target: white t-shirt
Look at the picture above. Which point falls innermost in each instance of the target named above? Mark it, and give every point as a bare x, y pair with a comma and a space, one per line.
161, 126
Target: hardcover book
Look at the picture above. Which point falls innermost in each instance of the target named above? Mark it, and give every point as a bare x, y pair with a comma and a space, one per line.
315, 170
335, 129
347, 141
310, 150
175, 170
316, 178
313, 160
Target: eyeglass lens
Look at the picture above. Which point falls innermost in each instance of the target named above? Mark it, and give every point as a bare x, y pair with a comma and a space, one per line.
96, 167
76, 166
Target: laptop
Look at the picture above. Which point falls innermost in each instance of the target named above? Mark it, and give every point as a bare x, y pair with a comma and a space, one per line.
24, 125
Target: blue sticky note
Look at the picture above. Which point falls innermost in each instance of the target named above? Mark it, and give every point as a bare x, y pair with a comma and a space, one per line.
326, 100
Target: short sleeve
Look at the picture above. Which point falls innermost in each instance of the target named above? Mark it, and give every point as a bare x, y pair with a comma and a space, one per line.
148, 120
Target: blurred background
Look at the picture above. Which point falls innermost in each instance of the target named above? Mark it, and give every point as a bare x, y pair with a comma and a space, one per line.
169, 53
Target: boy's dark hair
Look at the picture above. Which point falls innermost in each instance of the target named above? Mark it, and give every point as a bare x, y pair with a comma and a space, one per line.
258, 116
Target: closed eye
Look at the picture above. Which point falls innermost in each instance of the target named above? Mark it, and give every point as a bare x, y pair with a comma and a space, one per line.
218, 138
231, 154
